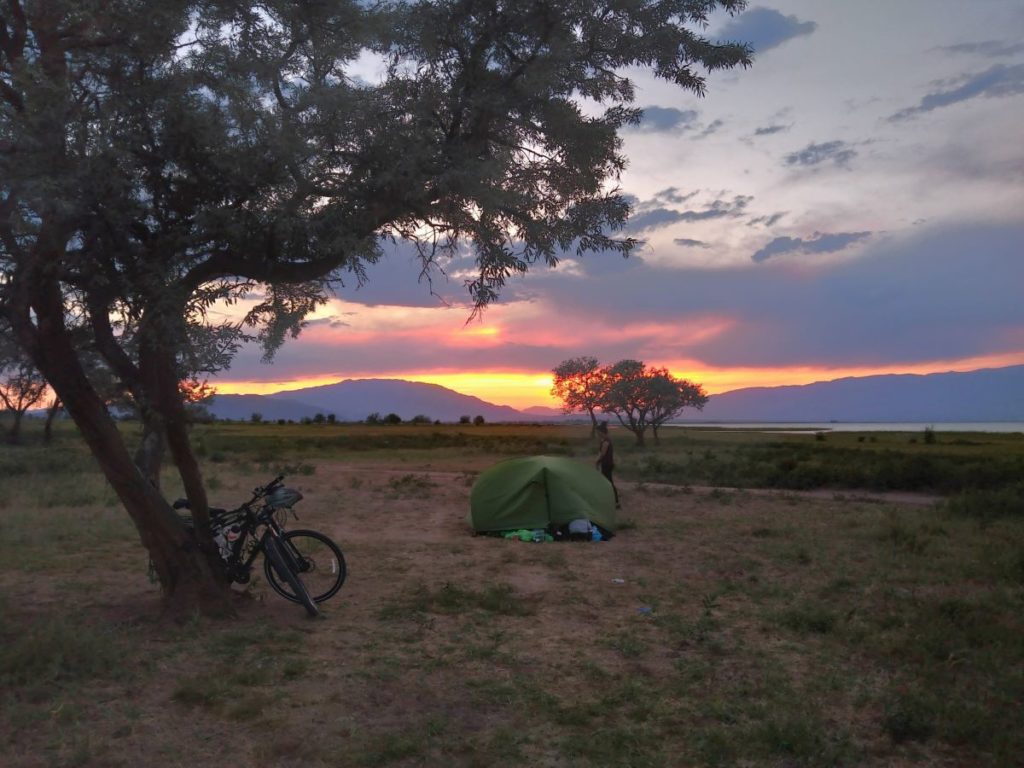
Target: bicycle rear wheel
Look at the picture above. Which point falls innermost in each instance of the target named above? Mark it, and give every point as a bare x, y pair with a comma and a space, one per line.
318, 562
276, 564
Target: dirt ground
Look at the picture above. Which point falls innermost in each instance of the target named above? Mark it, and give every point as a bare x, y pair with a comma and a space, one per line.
661, 647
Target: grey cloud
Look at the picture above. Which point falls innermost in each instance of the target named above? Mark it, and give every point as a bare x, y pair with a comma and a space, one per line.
768, 130
648, 218
686, 242
767, 221
837, 152
673, 195
396, 279
330, 322
819, 243
994, 82
765, 28
654, 218
711, 128
298, 358
666, 119
864, 311
871, 310
990, 48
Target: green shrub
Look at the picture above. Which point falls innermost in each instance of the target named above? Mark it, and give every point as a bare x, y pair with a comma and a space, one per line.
990, 504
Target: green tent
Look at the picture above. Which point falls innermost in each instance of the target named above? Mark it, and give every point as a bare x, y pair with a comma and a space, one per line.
535, 491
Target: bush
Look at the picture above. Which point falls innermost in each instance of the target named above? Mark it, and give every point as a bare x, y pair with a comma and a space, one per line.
990, 504
392, 418
464, 420
478, 420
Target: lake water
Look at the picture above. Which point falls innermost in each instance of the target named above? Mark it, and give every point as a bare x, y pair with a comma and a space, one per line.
853, 426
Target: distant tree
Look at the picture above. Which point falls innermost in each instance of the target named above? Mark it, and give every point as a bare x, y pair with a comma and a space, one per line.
21, 385
420, 419
331, 418
668, 396
392, 418
465, 420
478, 420
281, 422
641, 397
374, 418
624, 395
319, 419
256, 418
577, 383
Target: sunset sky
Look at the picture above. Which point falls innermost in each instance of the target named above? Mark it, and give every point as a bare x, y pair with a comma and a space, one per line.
853, 204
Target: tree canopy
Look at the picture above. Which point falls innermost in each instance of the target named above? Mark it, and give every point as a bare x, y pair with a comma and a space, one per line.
640, 397
157, 159
577, 383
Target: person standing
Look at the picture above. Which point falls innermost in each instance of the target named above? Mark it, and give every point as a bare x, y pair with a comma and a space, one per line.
605, 461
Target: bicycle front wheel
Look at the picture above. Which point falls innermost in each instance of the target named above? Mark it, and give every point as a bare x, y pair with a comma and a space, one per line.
280, 572
318, 562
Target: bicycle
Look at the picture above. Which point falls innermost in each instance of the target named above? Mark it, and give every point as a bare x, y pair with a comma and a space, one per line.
302, 566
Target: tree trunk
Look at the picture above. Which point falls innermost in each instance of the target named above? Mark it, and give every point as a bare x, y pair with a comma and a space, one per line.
51, 414
160, 374
149, 455
593, 423
14, 433
189, 581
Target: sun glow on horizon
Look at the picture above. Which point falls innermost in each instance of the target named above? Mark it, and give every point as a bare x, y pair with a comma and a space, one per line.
523, 389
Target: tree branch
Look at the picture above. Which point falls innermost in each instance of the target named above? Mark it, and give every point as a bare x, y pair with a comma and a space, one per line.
224, 265
106, 344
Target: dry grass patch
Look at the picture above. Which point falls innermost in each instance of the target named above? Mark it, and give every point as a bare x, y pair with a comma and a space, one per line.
716, 629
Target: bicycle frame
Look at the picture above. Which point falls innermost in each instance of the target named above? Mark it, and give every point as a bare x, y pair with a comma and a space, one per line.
252, 519
260, 530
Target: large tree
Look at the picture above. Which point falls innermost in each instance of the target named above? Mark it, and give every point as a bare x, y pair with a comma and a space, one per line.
669, 396
643, 397
624, 394
577, 383
159, 158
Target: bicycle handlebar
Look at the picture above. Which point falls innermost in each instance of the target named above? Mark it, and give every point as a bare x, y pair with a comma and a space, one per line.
265, 489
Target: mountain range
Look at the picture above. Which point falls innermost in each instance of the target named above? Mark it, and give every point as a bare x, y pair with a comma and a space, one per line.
995, 394
355, 399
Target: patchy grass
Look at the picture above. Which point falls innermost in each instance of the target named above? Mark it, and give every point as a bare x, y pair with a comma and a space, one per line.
716, 629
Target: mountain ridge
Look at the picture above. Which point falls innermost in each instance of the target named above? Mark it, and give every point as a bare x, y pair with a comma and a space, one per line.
987, 394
